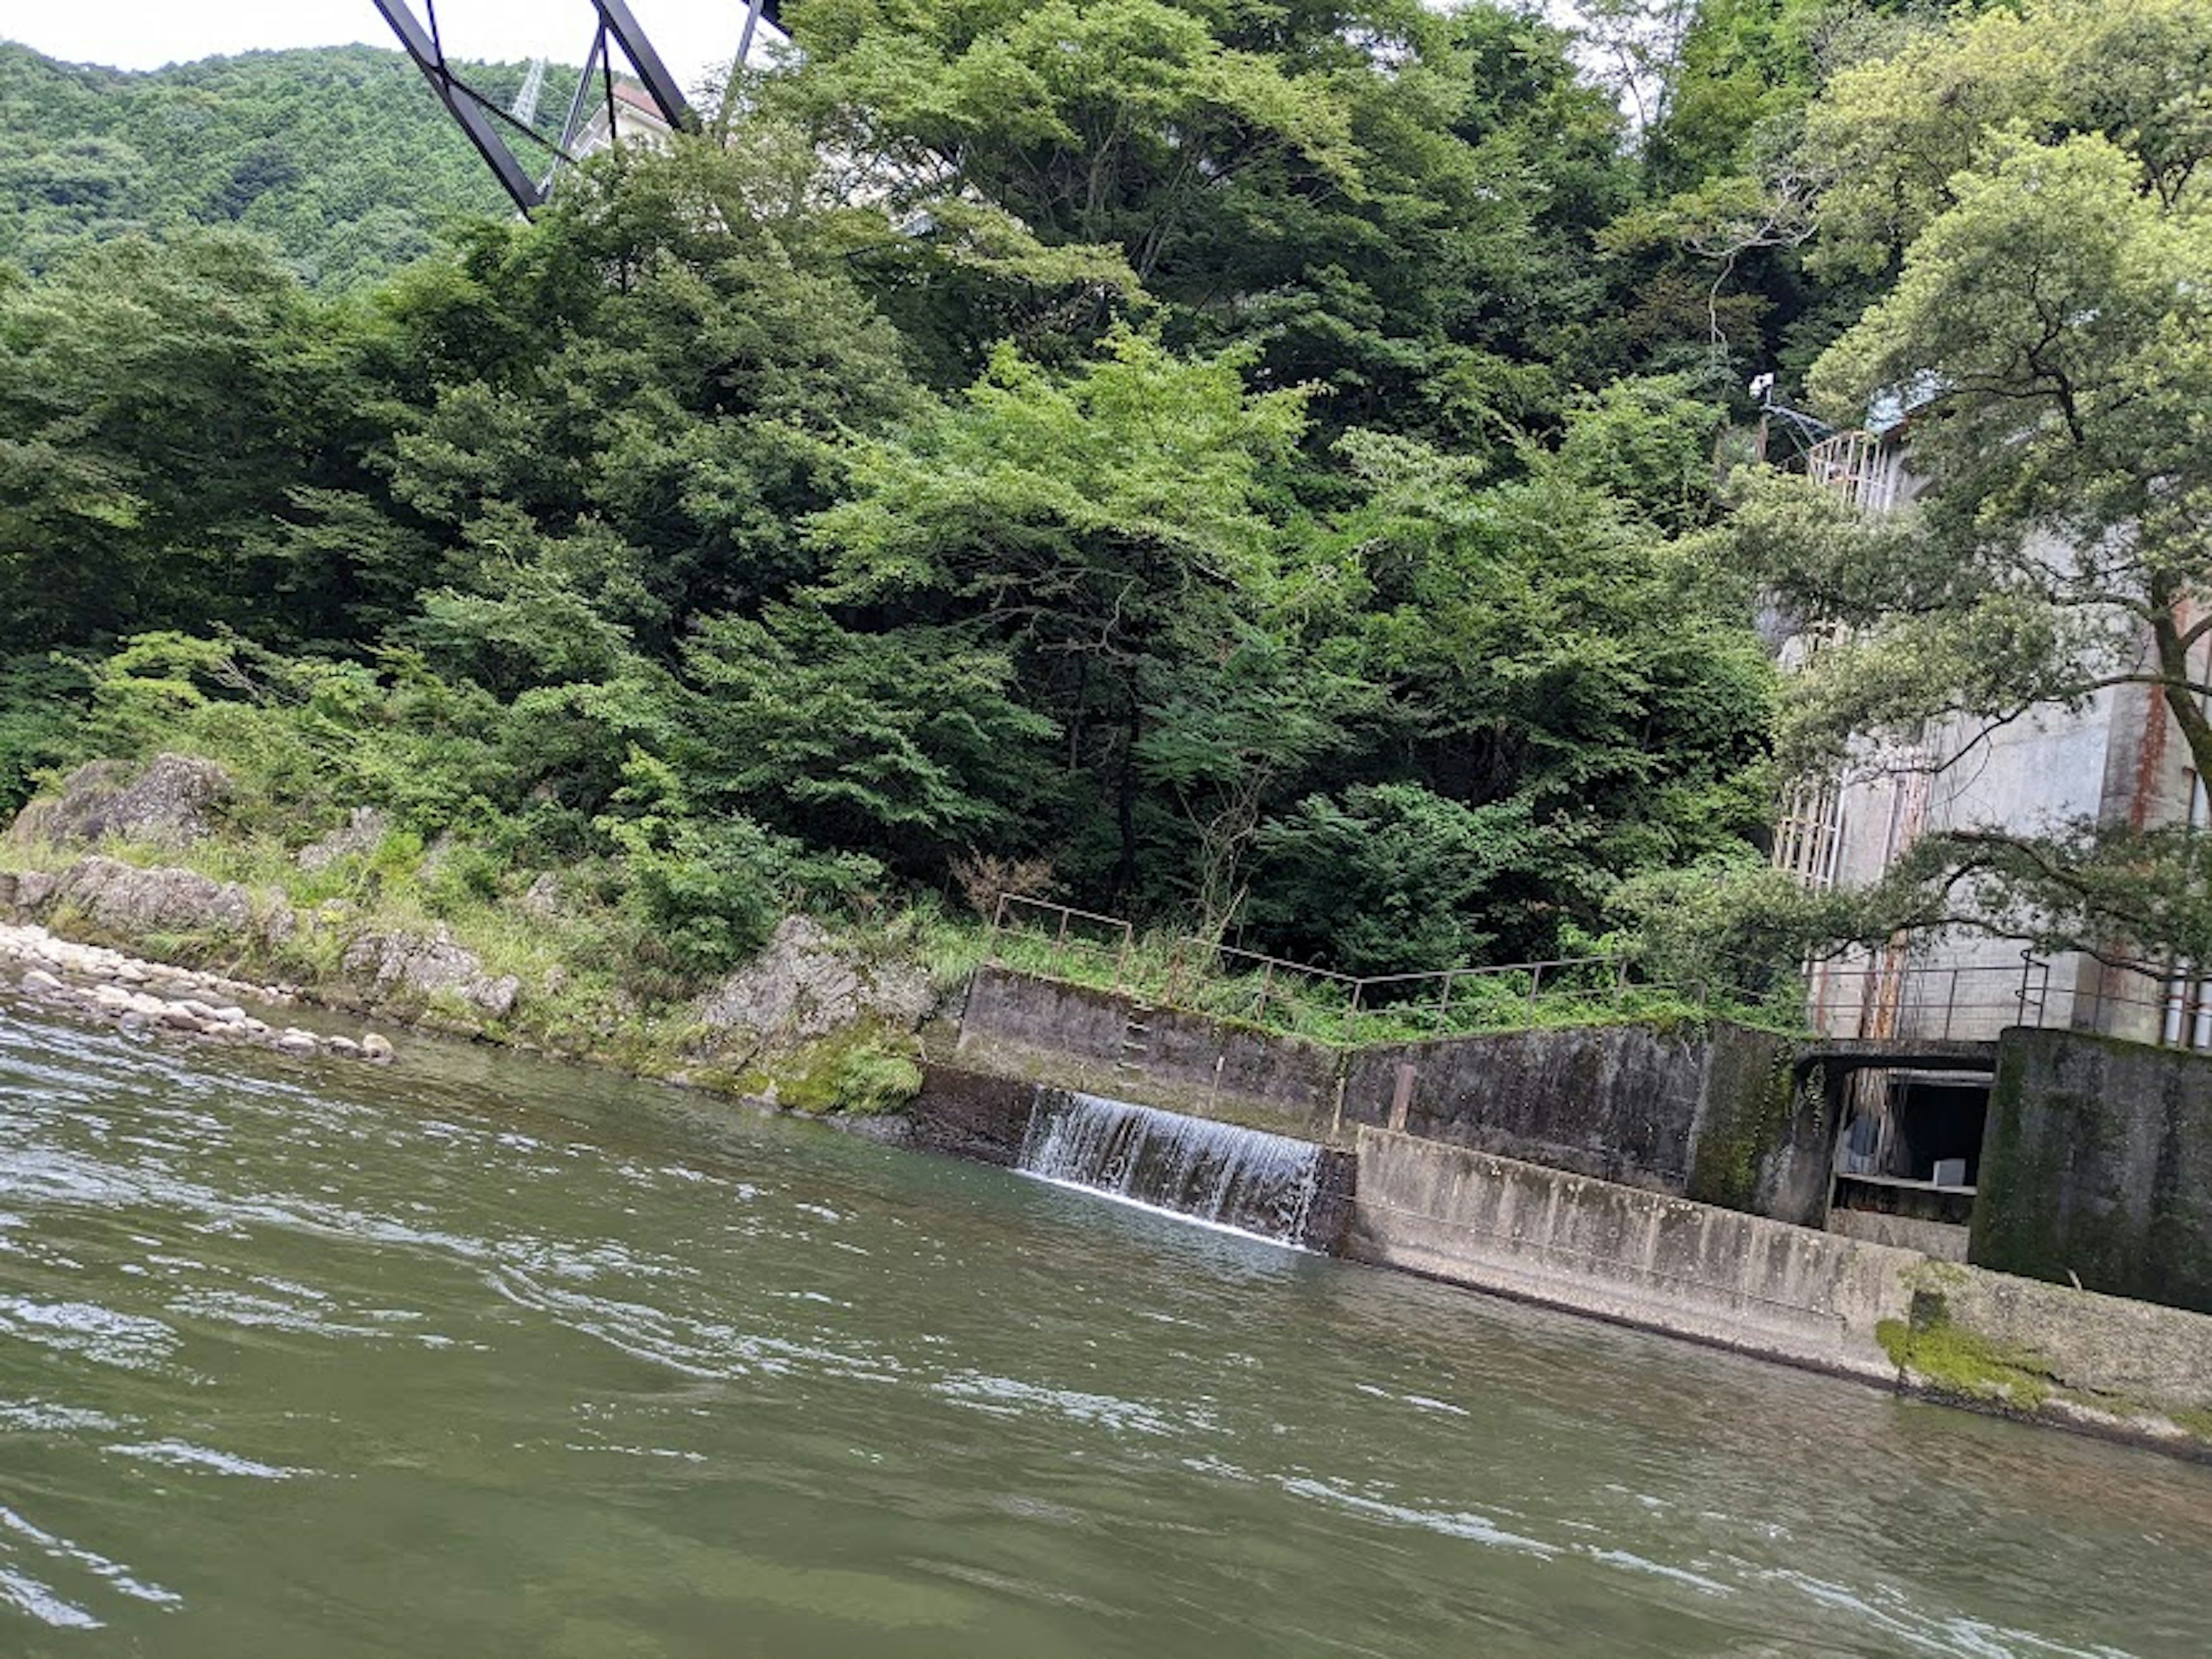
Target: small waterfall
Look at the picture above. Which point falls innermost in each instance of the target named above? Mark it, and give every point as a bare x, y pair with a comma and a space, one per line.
1220, 1173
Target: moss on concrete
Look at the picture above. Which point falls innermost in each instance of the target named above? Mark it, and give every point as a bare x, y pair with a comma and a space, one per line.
1943, 1358
1746, 1119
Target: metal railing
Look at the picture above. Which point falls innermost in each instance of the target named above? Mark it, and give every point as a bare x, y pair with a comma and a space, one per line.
1883, 996
1905, 999
1212, 977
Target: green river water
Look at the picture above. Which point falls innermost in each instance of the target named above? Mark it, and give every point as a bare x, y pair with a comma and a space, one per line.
479, 1357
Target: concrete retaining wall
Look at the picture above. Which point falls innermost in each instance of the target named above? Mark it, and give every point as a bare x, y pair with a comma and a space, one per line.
1049, 1031
971, 1115
2097, 1161
1707, 1112
1886, 1315
1643, 1257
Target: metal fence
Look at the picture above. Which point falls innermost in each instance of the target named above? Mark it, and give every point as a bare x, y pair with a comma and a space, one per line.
1898, 998
1884, 994
1212, 977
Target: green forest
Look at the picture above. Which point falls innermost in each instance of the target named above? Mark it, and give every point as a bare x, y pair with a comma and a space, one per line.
1275, 470
340, 157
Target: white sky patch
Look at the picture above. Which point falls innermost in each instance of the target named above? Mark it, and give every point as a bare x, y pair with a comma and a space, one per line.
693, 36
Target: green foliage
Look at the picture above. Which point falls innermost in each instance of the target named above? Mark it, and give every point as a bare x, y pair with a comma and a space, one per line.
340, 157
1202, 458
710, 890
909, 740
1394, 880
41, 702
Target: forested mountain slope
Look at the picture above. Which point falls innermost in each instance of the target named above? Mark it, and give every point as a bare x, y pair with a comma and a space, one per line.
340, 156
1278, 471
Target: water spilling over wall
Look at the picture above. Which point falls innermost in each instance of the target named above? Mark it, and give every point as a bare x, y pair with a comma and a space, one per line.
1266, 1184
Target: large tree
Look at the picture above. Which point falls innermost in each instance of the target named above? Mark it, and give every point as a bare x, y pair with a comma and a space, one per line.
2040, 178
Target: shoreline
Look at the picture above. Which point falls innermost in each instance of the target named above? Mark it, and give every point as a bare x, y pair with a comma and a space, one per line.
141, 994
137, 993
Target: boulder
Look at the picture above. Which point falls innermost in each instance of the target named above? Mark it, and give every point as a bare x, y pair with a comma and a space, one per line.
376, 1047
123, 900
424, 967
541, 900
804, 985
171, 803
40, 983
358, 835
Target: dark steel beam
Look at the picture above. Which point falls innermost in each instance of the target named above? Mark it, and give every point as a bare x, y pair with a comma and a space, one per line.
467, 109
659, 85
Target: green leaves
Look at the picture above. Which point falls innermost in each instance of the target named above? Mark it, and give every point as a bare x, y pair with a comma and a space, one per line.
910, 742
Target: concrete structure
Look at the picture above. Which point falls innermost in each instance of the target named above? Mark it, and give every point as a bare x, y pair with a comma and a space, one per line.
1051, 1031
1911, 1147
2118, 759
637, 120
2098, 1168
1884, 1315
1615, 1134
1713, 1111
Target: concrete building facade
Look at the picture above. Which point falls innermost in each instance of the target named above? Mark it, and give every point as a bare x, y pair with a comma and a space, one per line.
1911, 1143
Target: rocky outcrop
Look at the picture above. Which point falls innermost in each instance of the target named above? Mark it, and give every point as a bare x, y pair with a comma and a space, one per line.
172, 803
359, 834
109, 899
425, 968
803, 987
122, 901
153, 997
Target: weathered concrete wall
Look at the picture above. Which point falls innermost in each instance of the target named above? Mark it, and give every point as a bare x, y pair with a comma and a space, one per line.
1050, 1031
1706, 1112
1888, 1316
2097, 1161
1939, 1241
971, 1115
1628, 1254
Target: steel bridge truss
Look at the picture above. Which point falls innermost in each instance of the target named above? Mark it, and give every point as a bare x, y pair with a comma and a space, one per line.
491, 128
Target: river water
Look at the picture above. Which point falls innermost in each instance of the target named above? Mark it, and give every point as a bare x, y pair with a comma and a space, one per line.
476, 1356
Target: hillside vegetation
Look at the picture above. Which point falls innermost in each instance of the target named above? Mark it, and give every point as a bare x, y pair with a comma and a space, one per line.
340, 156
1269, 472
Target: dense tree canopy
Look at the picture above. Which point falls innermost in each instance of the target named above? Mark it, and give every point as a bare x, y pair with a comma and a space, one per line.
1250, 466
338, 156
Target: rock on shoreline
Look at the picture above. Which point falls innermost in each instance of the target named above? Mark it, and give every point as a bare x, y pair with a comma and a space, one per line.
129, 992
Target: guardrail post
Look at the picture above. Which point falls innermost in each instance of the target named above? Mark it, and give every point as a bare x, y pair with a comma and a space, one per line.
1443, 1002
1535, 985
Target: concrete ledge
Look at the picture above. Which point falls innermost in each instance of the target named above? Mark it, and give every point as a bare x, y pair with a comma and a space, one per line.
971, 1115
1072, 1036
2122, 1369
1719, 1276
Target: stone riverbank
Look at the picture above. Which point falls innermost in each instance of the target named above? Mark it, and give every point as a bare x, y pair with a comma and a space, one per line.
136, 995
